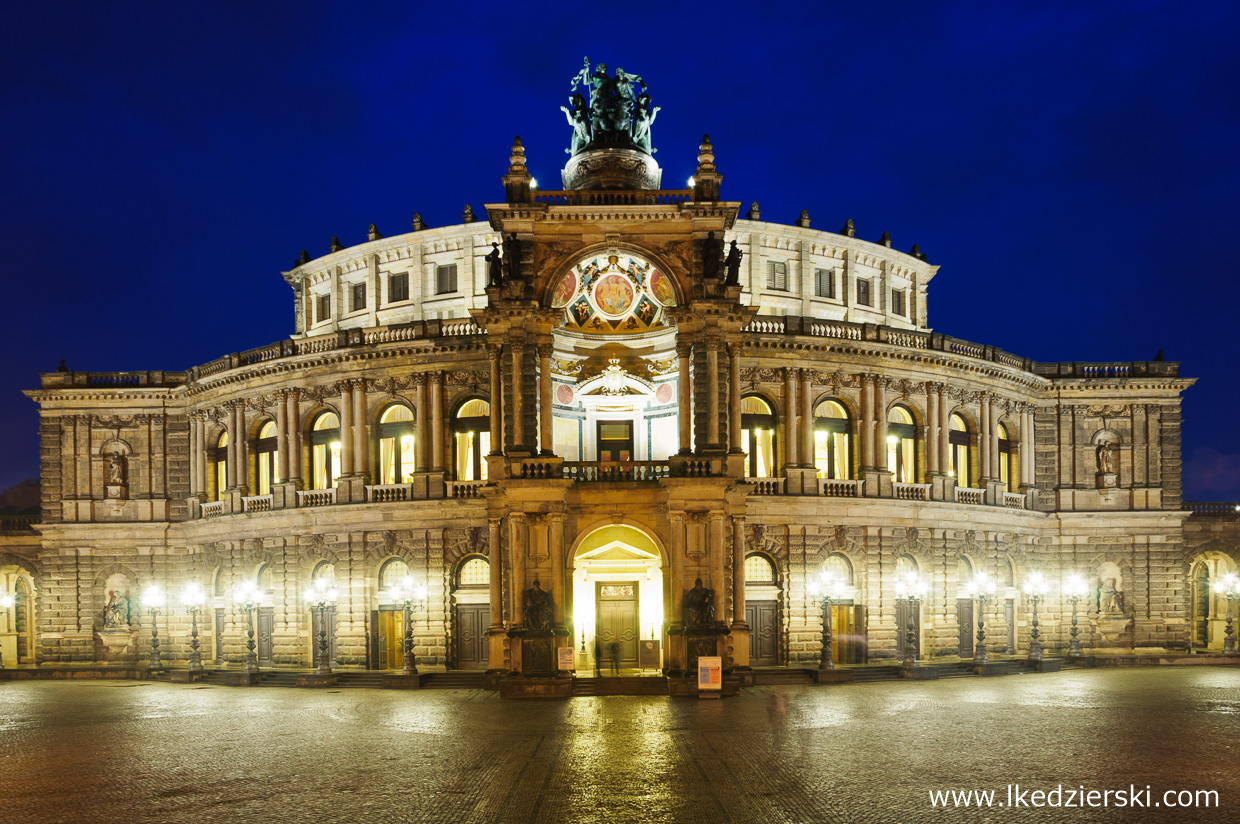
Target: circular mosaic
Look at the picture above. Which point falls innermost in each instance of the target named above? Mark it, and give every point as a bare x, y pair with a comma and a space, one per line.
613, 294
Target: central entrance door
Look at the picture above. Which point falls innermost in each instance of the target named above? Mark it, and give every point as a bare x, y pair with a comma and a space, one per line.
617, 621
763, 632
615, 440
390, 649
471, 623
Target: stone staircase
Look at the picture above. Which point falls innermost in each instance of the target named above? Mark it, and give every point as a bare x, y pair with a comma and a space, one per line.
621, 685
770, 676
452, 681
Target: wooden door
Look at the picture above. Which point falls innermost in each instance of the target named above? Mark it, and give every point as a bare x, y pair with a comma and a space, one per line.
1201, 607
847, 642
964, 620
264, 635
471, 636
1009, 614
617, 621
615, 441
904, 616
390, 649
329, 618
762, 617
220, 621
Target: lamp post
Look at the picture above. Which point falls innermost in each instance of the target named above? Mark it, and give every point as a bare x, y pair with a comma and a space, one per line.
246, 597
320, 596
826, 588
193, 597
1229, 587
982, 587
1075, 588
406, 594
6, 604
1035, 588
153, 600
911, 589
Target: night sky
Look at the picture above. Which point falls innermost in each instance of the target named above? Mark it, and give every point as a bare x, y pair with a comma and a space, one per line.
1072, 167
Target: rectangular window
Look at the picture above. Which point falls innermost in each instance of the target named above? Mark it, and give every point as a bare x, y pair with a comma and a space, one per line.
398, 287
863, 292
445, 279
777, 276
897, 301
325, 307
824, 283
359, 296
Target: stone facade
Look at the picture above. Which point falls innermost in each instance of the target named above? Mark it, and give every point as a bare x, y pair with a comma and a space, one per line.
277, 465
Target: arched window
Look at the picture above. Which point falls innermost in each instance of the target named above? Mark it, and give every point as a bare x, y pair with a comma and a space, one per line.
901, 445
265, 459
964, 574
263, 579
395, 445
838, 567
906, 565
1007, 460
471, 440
217, 586
832, 441
757, 437
960, 452
325, 451
759, 570
218, 476
476, 572
392, 573
325, 571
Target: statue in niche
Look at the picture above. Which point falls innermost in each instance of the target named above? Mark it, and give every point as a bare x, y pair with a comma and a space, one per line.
116, 613
116, 468
1104, 455
1110, 598
699, 606
733, 265
512, 257
495, 266
538, 608
712, 255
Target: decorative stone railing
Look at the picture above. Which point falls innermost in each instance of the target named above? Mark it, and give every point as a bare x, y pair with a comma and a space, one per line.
651, 197
316, 497
465, 489
835, 330
967, 495
256, 503
911, 492
1014, 500
833, 488
386, 493
212, 509
616, 470
767, 486
18, 523
112, 380
1213, 507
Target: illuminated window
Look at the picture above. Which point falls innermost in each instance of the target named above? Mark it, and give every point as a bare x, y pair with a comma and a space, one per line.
476, 572
398, 287
960, 452
392, 573
265, 459
263, 579
325, 571
839, 568
906, 565
832, 441
325, 451
901, 445
471, 440
396, 442
218, 476
757, 437
759, 570
1007, 460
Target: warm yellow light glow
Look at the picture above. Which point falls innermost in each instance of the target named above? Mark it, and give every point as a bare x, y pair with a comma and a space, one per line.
193, 595
153, 597
1036, 584
1075, 586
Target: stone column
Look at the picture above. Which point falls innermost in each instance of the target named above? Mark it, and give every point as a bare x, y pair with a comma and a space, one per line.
712, 402
496, 402
282, 435
944, 429
880, 422
195, 455
437, 453
714, 541
294, 435
677, 564
361, 452
240, 470
422, 440
545, 441
994, 438
790, 417
734, 397
984, 442
865, 426
497, 598
1025, 458
684, 396
517, 525
346, 428
807, 420
555, 537
518, 413
933, 459
738, 571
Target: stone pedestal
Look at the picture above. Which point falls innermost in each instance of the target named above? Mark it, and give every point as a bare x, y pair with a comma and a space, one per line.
284, 495
118, 645
537, 653
1047, 665
991, 668
116, 492
1106, 480
351, 489
703, 641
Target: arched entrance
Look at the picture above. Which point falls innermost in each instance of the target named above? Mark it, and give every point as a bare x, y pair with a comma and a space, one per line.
618, 600
17, 620
1209, 610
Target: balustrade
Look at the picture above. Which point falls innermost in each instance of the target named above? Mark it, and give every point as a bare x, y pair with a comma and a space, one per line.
839, 488
767, 486
616, 470
316, 497
1014, 500
212, 509
256, 503
465, 489
386, 493
966, 495
911, 492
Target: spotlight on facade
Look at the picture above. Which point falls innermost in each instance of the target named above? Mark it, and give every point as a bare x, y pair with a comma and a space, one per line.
321, 596
1075, 588
1228, 586
153, 601
1035, 587
982, 587
193, 597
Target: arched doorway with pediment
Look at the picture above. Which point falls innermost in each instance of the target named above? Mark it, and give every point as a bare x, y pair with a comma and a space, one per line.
618, 598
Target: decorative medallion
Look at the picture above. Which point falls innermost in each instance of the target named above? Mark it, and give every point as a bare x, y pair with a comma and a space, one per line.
564, 395
564, 290
613, 295
664, 393
659, 287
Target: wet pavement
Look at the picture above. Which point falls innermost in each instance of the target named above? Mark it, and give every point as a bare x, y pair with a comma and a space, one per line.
140, 751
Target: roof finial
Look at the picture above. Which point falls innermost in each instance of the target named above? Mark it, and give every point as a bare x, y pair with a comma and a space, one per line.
849, 229
803, 220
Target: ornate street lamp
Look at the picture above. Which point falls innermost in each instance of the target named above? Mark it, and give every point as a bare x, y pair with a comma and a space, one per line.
406, 594
320, 596
911, 589
1075, 588
153, 600
1229, 587
1035, 588
982, 587
193, 597
826, 588
6, 604
246, 597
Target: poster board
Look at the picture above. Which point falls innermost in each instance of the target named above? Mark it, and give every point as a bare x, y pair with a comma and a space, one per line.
564, 659
710, 673
649, 654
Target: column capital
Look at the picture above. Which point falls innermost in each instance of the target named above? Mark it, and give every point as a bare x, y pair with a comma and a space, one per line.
495, 351
418, 379
684, 349
436, 377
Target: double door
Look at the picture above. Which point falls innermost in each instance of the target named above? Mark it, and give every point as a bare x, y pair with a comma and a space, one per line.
615, 440
763, 620
617, 622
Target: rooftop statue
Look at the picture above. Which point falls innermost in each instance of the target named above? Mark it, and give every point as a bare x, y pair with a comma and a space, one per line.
617, 113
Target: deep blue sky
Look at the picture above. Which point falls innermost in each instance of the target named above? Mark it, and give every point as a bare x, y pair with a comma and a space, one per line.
1071, 166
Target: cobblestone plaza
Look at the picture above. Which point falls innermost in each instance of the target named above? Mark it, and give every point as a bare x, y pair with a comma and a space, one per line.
142, 751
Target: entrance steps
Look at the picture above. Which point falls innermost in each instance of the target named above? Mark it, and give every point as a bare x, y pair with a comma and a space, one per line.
452, 681
621, 685
770, 676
